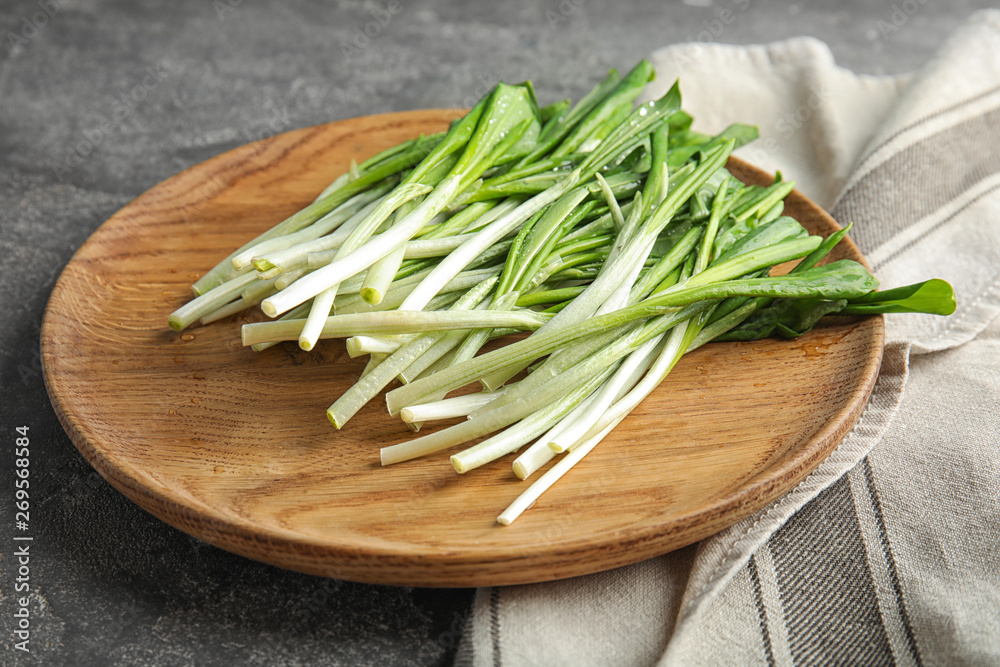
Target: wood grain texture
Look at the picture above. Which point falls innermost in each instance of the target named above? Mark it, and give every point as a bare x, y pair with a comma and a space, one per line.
234, 448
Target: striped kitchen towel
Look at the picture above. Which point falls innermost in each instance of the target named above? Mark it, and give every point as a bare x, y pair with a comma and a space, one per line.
889, 552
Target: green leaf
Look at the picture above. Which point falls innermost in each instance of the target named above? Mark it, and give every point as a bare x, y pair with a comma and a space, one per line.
554, 134
779, 229
788, 318
457, 137
508, 109
740, 133
552, 114
633, 130
935, 297
813, 258
693, 143
797, 316
841, 280
611, 105
680, 121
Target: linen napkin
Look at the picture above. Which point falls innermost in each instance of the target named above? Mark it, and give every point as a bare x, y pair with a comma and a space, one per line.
889, 552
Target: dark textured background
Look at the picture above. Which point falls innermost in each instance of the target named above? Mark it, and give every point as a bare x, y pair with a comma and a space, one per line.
100, 100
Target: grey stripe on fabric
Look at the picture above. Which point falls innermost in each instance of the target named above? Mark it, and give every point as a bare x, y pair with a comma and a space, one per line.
911, 642
921, 179
495, 625
923, 121
898, 251
758, 599
831, 609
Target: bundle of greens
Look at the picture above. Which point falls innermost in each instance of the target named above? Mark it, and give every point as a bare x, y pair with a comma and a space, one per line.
613, 232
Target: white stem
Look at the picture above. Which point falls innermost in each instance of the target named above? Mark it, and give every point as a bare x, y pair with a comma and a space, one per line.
380, 275
225, 311
360, 345
522, 432
273, 272
286, 278
341, 269
665, 361
401, 288
211, 300
256, 292
551, 476
322, 304
373, 362
534, 457
458, 259
448, 342
395, 322
488, 421
324, 225
619, 298
299, 254
421, 248
624, 379
459, 406
294, 313
367, 387
561, 360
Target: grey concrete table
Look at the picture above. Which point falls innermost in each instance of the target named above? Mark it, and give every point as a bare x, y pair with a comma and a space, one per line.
102, 99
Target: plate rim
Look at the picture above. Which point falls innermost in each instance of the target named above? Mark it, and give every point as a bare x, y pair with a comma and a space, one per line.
297, 551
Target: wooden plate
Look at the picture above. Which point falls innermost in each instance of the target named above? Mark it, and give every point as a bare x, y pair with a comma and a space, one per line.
234, 448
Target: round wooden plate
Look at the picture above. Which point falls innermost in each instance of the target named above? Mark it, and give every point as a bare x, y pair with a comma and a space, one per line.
234, 448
